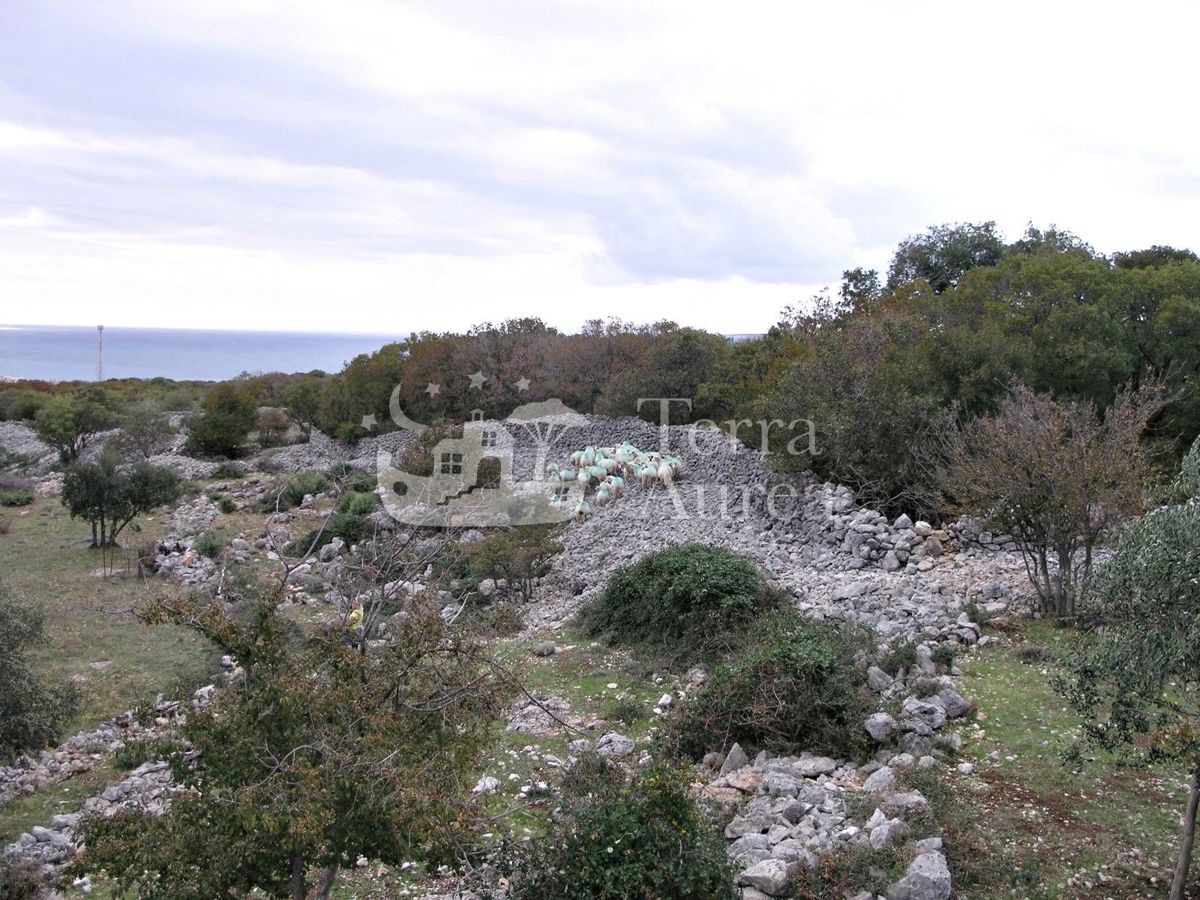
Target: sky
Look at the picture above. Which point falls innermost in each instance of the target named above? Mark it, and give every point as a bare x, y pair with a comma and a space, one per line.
370, 166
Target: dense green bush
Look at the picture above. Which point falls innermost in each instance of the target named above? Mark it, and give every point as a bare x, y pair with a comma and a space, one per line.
230, 470
208, 545
351, 523
688, 603
135, 753
16, 498
32, 713
798, 685
517, 556
294, 491
227, 505
229, 414
646, 839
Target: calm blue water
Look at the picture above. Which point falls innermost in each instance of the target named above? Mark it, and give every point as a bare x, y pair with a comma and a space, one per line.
69, 354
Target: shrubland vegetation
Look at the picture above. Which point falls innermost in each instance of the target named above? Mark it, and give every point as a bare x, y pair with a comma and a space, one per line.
794, 685
687, 604
618, 839
320, 754
1028, 384
1135, 677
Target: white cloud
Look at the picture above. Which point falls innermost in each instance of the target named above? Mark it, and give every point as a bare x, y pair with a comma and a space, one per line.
232, 162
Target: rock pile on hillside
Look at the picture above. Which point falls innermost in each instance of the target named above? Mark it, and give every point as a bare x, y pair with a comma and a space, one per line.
81, 752
19, 440
147, 788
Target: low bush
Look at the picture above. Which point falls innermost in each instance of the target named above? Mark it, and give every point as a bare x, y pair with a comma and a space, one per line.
518, 556
134, 753
689, 603
292, 494
625, 710
16, 498
208, 545
645, 839
304, 484
899, 658
230, 470
798, 685
943, 655
227, 505
19, 880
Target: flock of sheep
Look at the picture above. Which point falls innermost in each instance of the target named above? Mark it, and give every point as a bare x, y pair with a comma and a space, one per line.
609, 468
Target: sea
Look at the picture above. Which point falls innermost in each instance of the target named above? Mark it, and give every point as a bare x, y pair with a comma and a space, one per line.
53, 353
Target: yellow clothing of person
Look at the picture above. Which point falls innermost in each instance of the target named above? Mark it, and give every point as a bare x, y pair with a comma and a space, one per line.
354, 622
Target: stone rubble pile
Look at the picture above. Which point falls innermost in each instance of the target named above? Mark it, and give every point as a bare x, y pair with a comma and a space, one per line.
795, 809
147, 788
19, 440
82, 751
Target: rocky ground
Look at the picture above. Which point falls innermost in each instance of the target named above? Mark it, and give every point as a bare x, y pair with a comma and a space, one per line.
835, 559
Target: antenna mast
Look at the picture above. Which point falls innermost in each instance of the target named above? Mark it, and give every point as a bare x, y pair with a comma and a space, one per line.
99, 352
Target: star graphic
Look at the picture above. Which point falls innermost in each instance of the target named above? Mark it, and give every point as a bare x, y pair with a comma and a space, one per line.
478, 379
433, 390
522, 385
368, 421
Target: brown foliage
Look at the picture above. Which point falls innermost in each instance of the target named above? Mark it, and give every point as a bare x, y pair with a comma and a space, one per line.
1057, 474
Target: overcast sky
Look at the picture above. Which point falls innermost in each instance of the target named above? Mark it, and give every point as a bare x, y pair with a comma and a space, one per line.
357, 165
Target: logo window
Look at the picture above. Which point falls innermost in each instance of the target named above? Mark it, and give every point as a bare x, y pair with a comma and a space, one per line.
451, 463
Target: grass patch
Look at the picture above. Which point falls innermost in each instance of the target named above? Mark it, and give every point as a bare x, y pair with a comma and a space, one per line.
94, 636
1025, 824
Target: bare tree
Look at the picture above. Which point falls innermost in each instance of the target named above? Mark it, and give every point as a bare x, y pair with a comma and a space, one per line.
1057, 475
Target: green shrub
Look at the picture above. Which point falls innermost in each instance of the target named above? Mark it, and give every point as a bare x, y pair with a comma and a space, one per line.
518, 556
304, 484
229, 414
899, 658
292, 494
16, 498
134, 753
226, 505
358, 504
208, 545
647, 839
943, 655
230, 470
797, 686
592, 775
625, 710
361, 482
689, 603
33, 710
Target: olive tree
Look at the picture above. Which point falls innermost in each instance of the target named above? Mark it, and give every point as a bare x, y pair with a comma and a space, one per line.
110, 495
1058, 475
69, 422
1135, 678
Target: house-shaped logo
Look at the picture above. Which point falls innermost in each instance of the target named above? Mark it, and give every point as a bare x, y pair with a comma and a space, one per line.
473, 481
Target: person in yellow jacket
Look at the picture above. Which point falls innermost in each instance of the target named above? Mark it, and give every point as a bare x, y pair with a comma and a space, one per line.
354, 625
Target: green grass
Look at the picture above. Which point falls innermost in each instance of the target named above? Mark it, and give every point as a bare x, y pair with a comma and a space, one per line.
1028, 823
93, 633
580, 672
